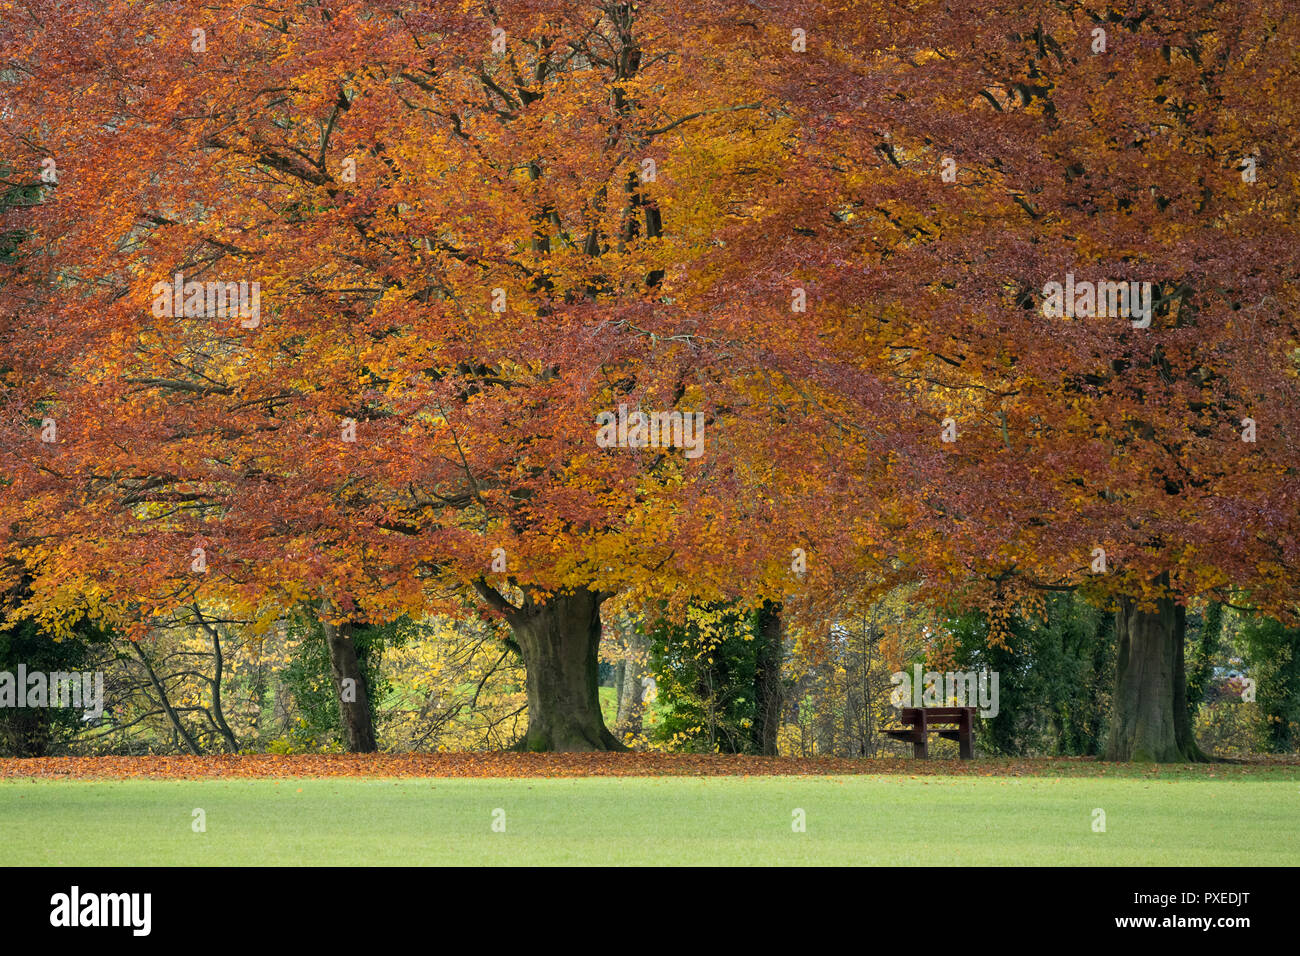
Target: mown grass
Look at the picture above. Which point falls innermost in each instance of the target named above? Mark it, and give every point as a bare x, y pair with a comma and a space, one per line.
878, 820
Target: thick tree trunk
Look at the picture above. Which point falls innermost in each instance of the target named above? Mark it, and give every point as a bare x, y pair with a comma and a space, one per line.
767, 679
1149, 720
349, 685
559, 642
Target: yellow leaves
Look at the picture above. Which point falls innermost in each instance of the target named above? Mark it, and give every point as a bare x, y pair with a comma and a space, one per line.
264, 621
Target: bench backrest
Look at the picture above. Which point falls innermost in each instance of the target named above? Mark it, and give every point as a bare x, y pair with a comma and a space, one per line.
935, 715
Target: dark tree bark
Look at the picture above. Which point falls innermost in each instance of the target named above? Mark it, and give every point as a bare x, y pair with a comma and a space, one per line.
559, 642
354, 714
25, 732
182, 734
1150, 722
218, 672
1202, 666
767, 679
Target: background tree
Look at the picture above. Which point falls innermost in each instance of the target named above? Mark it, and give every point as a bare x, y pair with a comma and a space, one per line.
1055, 677
718, 678
1081, 141
27, 731
346, 714
1273, 652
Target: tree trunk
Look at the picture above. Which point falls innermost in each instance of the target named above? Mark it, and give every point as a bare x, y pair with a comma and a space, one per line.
218, 711
282, 708
218, 672
631, 696
767, 679
631, 699
1150, 721
349, 685
1202, 669
181, 733
25, 733
559, 642
620, 671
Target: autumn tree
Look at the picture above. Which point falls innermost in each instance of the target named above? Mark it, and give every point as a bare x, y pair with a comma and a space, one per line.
329, 298
1000, 154
841, 234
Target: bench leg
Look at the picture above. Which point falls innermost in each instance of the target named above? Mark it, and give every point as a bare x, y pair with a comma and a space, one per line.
966, 742
921, 749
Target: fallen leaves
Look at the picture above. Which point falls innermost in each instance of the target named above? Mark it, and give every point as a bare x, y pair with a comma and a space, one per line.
488, 764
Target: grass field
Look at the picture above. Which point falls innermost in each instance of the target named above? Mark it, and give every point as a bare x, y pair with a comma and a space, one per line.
943, 820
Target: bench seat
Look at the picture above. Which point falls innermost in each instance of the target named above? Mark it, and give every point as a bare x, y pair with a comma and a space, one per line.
950, 723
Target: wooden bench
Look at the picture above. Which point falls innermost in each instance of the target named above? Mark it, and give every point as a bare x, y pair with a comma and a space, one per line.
950, 723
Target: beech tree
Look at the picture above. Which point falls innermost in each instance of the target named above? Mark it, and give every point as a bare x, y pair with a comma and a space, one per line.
894, 259
1011, 165
329, 298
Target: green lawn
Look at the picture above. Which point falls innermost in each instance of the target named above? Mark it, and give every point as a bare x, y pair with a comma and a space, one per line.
669, 820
